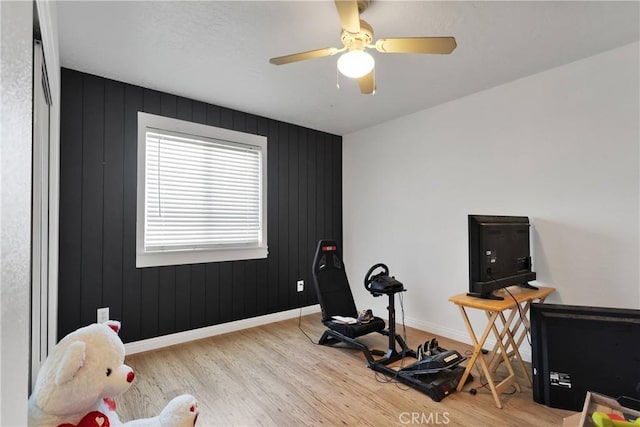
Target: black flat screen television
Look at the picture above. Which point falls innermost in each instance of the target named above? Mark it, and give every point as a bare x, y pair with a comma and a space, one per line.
576, 349
499, 254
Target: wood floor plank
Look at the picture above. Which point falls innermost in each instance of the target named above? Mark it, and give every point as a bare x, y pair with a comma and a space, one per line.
273, 375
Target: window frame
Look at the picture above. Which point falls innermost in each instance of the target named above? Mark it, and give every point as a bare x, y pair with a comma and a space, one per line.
195, 256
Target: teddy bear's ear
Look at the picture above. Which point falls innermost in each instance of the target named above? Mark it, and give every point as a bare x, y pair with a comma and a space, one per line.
71, 362
113, 324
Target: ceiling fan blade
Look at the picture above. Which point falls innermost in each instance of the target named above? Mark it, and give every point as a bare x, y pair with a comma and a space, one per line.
367, 84
441, 45
301, 56
349, 15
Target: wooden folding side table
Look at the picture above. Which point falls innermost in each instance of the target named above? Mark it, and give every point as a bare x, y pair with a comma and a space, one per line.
506, 333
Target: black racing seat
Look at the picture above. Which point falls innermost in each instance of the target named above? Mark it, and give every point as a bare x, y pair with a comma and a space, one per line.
336, 299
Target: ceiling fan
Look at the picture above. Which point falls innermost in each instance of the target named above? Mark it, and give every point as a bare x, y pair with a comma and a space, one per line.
357, 36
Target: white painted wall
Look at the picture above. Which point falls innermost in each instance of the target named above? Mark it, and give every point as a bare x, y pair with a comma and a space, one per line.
16, 29
16, 56
561, 147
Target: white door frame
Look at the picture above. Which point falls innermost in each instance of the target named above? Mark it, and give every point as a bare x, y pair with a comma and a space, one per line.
47, 20
40, 213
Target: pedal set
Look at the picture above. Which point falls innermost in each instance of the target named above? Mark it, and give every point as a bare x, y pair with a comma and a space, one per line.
436, 368
431, 359
430, 348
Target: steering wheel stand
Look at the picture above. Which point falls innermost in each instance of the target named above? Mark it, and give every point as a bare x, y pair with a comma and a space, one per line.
391, 355
438, 385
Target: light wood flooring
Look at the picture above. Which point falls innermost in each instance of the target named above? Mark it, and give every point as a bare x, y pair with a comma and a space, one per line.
272, 375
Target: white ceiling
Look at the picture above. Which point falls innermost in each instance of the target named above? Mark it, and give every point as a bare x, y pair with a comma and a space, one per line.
218, 52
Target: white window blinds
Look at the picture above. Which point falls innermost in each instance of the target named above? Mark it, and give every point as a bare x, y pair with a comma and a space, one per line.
201, 194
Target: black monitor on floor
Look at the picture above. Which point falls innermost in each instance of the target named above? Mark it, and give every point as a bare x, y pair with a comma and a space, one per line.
499, 254
577, 349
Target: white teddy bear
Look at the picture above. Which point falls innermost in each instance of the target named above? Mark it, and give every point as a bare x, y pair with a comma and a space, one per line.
82, 375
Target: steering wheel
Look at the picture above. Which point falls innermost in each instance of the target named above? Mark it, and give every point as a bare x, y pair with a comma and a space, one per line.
368, 278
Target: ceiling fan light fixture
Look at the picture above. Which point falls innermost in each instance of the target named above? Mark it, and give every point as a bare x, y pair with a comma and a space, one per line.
355, 63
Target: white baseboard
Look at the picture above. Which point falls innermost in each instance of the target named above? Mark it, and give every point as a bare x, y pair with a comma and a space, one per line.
210, 331
461, 336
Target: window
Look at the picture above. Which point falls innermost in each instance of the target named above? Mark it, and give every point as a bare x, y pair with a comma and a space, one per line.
201, 193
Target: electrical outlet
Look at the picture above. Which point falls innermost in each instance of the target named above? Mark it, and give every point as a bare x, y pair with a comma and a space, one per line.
300, 285
103, 314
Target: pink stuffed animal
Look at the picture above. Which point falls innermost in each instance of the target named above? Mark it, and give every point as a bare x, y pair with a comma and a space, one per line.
85, 371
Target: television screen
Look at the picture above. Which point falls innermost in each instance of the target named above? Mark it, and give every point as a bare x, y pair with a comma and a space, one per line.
499, 253
577, 349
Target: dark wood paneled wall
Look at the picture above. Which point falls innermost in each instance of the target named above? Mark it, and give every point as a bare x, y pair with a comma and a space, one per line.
98, 139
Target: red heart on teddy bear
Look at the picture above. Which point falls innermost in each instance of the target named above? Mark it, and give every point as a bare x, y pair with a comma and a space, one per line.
92, 419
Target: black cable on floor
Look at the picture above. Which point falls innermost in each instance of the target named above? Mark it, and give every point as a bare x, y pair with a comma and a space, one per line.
302, 330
